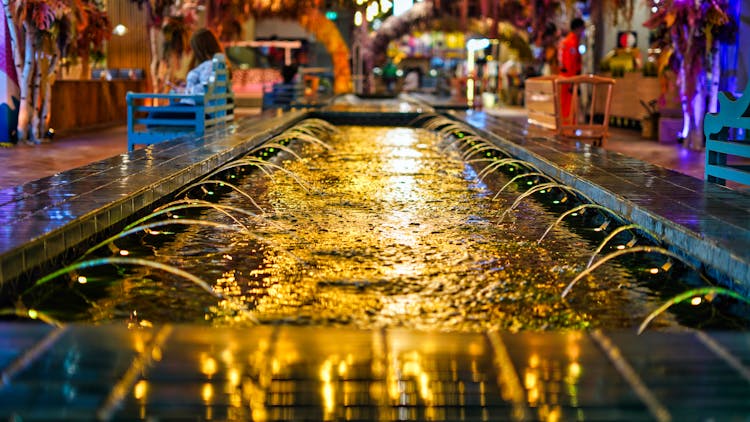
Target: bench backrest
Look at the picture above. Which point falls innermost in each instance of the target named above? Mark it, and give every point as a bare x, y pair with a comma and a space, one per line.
149, 122
725, 133
219, 98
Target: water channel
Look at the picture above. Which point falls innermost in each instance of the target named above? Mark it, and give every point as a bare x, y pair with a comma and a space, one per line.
390, 227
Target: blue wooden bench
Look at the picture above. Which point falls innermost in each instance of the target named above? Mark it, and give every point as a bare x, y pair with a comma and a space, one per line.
722, 140
154, 118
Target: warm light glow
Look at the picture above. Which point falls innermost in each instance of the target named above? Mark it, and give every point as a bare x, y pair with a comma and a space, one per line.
325, 371
424, 387
654, 270
327, 391
227, 356
207, 392
82, 279
372, 11
534, 360
329, 402
140, 389
208, 365
233, 376
156, 354
533, 396
120, 30
696, 301
529, 380
574, 369
124, 253
358, 18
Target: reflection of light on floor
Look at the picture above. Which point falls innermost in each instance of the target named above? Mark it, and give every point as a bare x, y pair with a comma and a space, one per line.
400, 269
403, 137
400, 189
403, 165
404, 160
405, 305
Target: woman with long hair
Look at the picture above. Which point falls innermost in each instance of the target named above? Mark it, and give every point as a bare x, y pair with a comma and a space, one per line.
204, 46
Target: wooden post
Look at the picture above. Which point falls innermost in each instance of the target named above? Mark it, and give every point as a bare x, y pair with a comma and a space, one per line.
464, 14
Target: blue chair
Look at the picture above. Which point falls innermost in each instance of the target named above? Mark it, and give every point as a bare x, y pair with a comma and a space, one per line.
722, 140
150, 123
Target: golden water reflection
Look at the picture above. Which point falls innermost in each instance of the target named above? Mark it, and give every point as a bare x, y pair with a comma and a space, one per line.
395, 232
315, 373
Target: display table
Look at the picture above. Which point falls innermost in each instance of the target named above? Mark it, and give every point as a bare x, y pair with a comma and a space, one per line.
87, 104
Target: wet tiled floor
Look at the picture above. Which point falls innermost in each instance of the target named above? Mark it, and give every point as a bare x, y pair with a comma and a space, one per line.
306, 373
25, 163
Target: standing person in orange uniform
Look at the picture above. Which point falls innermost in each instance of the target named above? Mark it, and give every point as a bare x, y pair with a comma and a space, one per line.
569, 59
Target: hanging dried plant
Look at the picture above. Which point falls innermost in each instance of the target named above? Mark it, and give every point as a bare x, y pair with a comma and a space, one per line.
90, 38
692, 31
624, 9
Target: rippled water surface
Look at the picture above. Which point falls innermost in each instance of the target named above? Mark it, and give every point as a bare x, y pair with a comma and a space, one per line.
394, 230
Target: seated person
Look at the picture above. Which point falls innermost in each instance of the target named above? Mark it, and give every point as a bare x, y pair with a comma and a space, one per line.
204, 46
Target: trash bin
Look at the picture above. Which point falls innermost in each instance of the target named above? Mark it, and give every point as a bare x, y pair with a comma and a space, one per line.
650, 126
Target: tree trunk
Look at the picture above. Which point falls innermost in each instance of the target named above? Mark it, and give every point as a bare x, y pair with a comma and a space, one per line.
25, 109
36, 100
693, 110
155, 39
46, 65
713, 98
694, 139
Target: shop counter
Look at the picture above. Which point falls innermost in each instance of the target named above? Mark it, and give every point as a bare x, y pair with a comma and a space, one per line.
87, 104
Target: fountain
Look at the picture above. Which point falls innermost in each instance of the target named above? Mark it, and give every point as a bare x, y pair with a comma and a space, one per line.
409, 154
399, 230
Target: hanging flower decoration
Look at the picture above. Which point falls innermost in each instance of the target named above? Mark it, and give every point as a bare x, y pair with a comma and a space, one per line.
624, 8
176, 32
226, 17
542, 14
42, 31
41, 13
392, 28
90, 38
